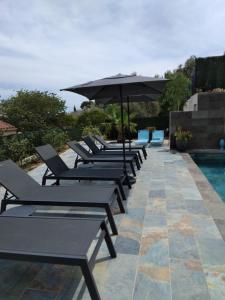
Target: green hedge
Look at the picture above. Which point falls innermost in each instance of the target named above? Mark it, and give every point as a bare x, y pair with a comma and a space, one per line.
210, 73
160, 122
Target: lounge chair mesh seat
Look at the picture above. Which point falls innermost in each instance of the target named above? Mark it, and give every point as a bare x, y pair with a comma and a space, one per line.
143, 137
25, 190
60, 171
90, 158
157, 137
111, 147
90, 141
55, 240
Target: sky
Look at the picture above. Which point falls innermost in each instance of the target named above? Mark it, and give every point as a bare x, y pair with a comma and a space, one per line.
52, 44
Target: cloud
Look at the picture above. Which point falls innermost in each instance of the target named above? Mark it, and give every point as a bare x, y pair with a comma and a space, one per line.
55, 44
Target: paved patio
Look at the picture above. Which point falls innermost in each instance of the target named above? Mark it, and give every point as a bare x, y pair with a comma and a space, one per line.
169, 246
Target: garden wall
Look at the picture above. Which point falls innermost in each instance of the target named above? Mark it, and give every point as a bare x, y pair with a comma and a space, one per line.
207, 125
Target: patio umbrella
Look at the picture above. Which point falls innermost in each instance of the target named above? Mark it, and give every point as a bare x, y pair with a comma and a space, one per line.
118, 87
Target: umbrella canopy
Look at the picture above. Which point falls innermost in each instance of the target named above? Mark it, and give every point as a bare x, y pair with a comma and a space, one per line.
133, 98
109, 87
120, 87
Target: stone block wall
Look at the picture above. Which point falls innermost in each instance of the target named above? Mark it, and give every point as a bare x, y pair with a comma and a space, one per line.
207, 125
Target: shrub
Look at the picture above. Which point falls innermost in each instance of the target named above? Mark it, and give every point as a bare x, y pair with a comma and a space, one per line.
17, 148
90, 130
56, 138
183, 135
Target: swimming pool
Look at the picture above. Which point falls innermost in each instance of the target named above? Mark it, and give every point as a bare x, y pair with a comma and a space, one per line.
213, 167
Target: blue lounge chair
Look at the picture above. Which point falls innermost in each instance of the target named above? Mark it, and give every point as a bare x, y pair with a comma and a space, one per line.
157, 137
143, 137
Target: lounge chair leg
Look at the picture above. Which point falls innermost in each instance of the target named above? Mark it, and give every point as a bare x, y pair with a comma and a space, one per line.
108, 240
140, 158
57, 182
43, 180
111, 220
137, 162
3, 205
119, 201
90, 282
132, 169
127, 180
144, 153
120, 186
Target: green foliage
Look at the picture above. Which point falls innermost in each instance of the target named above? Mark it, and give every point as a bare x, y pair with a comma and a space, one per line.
90, 130
32, 110
183, 135
86, 104
94, 116
56, 138
114, 120
17, 148
177, 91
144, 109
210, 73
74, 133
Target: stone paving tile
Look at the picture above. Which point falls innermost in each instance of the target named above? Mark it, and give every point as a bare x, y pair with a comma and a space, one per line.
175, 205
152, 284
130, 229
157, 193
212, 251
196, 207
182, 245
115, 278
215, 276
188, 280
156, 206
204, 227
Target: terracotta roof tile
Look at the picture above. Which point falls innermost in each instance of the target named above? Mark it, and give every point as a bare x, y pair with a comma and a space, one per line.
6, 126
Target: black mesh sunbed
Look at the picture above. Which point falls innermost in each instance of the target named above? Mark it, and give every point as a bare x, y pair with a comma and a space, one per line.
111, 147
22, 189
64, 241
58, 170
90, 158
90, 141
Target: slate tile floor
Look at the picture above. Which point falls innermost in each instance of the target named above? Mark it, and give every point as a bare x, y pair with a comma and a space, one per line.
169, 247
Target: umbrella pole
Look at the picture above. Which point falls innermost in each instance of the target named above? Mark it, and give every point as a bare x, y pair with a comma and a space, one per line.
130, 179
122, 130
128, 116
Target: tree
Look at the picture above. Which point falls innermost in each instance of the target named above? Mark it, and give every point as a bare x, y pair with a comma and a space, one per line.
177, 91
86, 104
94, 116
34, 110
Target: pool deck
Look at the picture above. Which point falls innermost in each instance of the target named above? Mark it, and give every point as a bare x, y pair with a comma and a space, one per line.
170, 244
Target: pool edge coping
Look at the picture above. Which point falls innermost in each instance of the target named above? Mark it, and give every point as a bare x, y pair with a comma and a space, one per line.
213, 201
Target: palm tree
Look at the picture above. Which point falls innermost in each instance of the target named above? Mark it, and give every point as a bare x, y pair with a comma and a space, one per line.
114, 121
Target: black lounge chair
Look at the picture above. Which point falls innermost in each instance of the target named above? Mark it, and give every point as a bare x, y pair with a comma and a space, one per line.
110, 147
87, 157
64, 241
58, 170
23, 189
90, 141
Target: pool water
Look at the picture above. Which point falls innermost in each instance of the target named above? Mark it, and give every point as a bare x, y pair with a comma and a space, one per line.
213, 167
